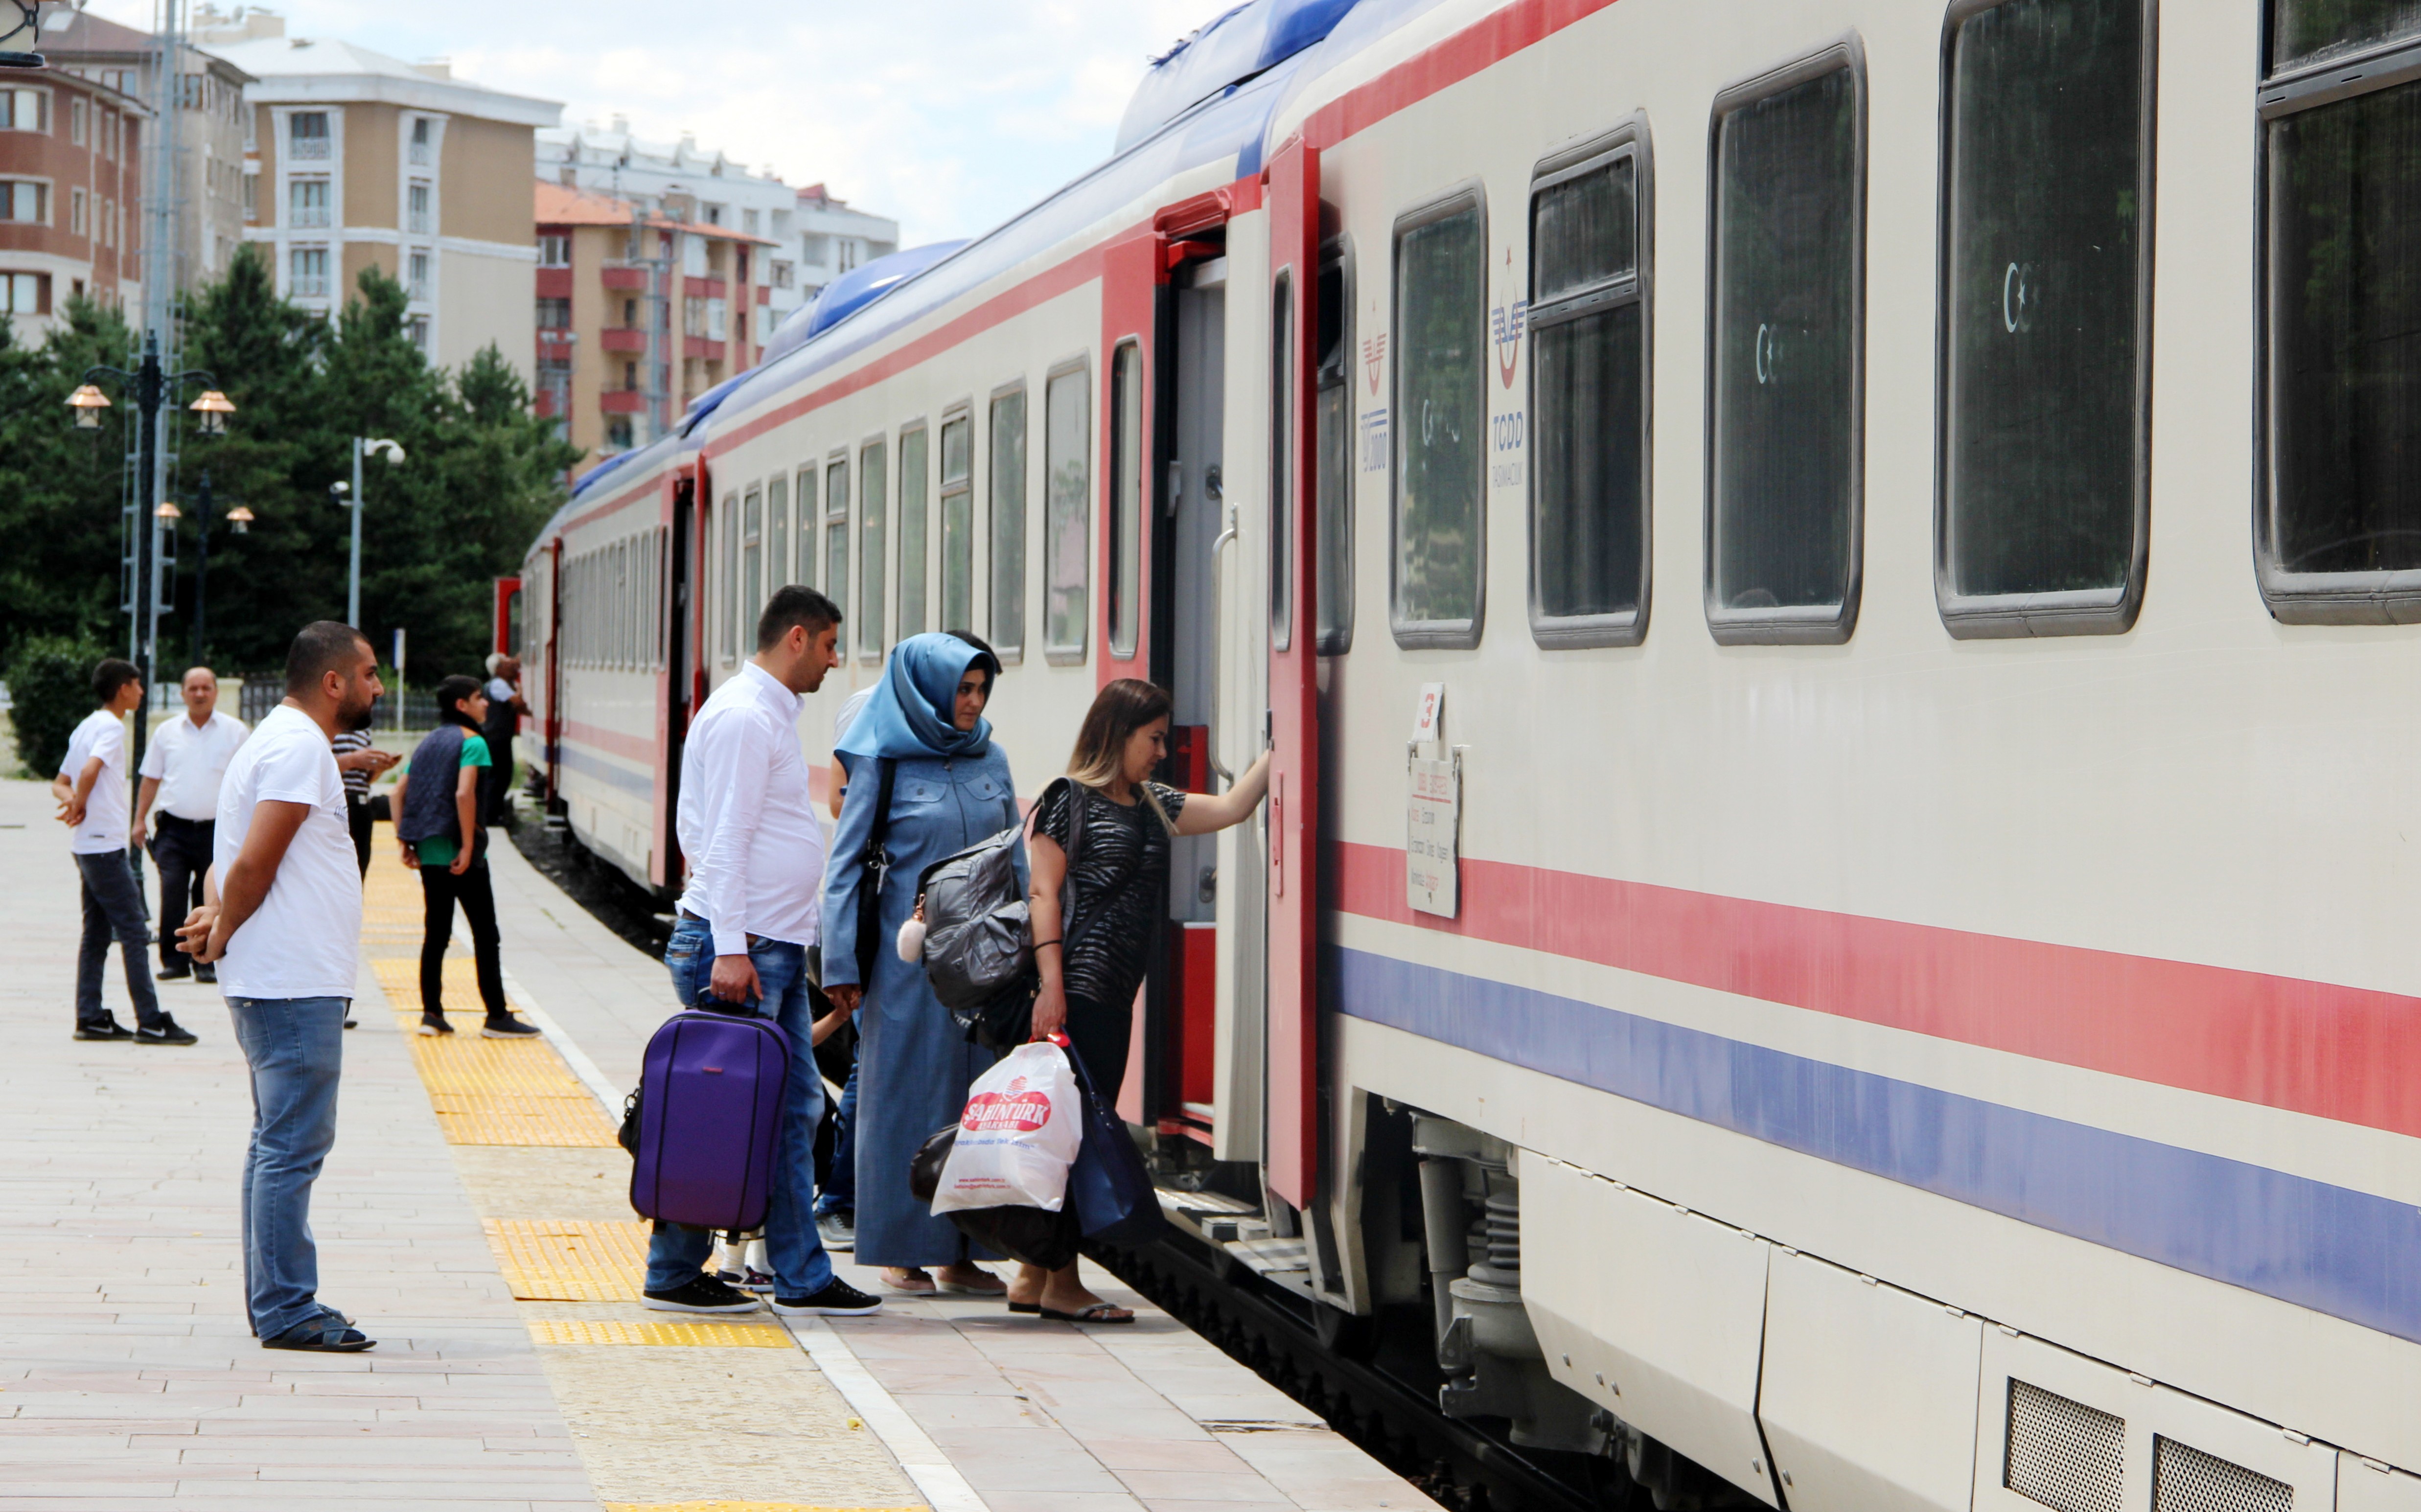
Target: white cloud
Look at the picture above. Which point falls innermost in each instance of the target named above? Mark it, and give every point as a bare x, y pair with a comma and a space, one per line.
950, 114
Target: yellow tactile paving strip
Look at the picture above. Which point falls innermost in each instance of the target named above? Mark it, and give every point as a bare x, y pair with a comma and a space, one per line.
746, 1506
558, 1261
766, 1335
492, 1091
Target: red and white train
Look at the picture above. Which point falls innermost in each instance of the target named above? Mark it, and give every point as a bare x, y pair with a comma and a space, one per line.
1931, 1019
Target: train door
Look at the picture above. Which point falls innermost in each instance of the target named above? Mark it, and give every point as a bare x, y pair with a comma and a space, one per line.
552, 737
1196, 514
677, 682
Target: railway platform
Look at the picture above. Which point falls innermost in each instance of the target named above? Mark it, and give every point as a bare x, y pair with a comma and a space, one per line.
473, 1218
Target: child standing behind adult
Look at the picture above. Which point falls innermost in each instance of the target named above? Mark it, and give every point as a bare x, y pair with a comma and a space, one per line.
437, 821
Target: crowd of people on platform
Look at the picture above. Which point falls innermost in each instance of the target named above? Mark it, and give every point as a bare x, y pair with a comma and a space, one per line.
770, 919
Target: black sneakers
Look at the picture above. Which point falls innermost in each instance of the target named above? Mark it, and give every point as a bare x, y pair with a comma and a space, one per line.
703, 1295
506, 1027
434, 1023
838, 1300
169, 1033
172, 974
103, 1028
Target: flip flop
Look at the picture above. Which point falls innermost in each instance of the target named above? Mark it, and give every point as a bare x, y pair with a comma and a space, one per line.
325, 1335
959, 1288
1025, 1307
918, 1286
1097, 1312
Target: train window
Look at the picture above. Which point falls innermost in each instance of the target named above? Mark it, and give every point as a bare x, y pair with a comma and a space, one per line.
2046, 337
913, 565
622, 636
958, 524
752, 564
871, 558
1784, 359
837, 536
1332, 441
1125, 502
807, 525
1067, 514
1283, 422
777, 533
2307, 31
2337, 532
730, 578
1589, 395
1441, 401
1008, 483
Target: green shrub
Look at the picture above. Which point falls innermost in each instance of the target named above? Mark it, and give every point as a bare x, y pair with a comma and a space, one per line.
50, 691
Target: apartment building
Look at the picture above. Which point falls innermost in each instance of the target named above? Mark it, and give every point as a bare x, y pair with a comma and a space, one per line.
682, 180
357, 159
208, 185
70, 187
833, 237
609, 269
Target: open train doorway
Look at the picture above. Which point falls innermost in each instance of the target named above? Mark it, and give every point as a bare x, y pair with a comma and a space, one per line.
1196, 529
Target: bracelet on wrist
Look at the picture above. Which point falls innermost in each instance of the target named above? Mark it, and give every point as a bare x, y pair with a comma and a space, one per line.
1039, 944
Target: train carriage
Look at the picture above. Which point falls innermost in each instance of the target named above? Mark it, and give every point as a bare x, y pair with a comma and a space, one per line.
1829, 922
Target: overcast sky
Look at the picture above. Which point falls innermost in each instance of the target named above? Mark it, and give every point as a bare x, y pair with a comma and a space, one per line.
947, 114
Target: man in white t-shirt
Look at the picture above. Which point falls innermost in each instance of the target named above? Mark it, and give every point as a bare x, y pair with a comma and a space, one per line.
181, 773
282, 921
91, 791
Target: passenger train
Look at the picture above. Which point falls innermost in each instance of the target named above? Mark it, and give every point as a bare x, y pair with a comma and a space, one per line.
1832, 583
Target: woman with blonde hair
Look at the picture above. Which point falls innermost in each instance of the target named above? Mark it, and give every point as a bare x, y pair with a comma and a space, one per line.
1092, 953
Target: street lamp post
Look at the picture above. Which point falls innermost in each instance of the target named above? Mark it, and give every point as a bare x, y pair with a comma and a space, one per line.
238, 517
393, 451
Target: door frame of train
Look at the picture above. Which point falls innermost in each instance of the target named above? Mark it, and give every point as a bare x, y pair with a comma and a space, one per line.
675, 708
553, 739
1293, 929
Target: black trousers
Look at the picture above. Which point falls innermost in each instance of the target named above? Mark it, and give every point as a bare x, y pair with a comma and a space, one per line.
440, 890
1100, 1035
496, 781
181, 850
357, 819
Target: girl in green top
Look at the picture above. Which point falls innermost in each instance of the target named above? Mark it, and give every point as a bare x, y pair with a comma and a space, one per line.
436, 808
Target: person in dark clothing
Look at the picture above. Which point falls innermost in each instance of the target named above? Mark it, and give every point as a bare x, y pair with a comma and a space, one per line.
436, 802
1095, 924
503, 722
359, 764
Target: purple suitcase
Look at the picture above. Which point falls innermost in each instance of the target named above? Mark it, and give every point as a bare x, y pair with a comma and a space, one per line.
710, 1090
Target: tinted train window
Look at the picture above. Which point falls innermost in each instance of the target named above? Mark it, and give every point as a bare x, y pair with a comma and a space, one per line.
1440, 423
2306, 32
1784, 365
1283, 422
1067, 520
911, 533
871, 562
836, 537
2339, 534
958, 526
777, 533
1008, 483
752, 565
1588, 403
1333, 423
2046, 353
1126, 503
807, 525
730, 577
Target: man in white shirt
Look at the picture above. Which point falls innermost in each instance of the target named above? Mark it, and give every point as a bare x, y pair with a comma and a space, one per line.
756, 852
282, 920
181, 773
90, 788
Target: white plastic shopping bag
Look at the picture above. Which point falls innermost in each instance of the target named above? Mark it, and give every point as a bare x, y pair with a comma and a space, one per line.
1023, 1125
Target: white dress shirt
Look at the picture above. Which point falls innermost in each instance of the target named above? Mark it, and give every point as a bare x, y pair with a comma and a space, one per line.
189, 761
106, 815
747, 827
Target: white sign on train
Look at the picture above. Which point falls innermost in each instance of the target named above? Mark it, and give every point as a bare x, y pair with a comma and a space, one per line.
1431, 863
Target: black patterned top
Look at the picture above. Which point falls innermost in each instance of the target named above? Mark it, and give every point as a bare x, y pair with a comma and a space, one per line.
1121, 887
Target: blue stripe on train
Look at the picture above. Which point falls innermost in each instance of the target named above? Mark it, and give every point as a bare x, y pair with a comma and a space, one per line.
2336, 1251
590, 763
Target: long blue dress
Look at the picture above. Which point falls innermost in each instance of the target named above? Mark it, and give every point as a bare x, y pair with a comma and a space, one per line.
914, 1064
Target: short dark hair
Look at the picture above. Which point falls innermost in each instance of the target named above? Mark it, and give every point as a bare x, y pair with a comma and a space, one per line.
322, 646
110, 675
797, 604
452, 694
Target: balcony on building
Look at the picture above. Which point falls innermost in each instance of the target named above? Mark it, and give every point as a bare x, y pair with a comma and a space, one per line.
624, 276
622, 402
622, 339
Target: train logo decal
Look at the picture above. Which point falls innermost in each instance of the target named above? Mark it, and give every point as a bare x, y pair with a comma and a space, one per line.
1374, 358
1506, 323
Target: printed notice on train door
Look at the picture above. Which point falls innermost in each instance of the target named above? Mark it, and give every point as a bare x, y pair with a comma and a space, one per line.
1429, 863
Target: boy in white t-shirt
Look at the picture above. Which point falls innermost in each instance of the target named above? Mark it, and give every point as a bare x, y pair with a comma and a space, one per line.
282, 920
90, 788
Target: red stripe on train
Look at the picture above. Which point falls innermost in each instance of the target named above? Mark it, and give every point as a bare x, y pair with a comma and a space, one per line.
2342, 1052
1473, 49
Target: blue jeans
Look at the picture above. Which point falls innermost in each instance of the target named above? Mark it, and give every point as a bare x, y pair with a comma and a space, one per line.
113, 908
677, 1256
296, 1049
841, 1193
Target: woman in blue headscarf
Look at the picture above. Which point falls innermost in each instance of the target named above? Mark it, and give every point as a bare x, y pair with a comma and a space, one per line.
950, 788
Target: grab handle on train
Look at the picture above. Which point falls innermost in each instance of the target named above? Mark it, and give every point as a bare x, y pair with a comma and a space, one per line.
1218, 600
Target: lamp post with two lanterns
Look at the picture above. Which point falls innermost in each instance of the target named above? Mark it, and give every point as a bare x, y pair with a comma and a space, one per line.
238, 517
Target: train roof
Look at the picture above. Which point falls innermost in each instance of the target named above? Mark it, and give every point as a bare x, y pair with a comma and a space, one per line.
1215, 96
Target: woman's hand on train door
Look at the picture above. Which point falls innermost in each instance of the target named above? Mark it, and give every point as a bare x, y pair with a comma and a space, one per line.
1050, 1010
734, 980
